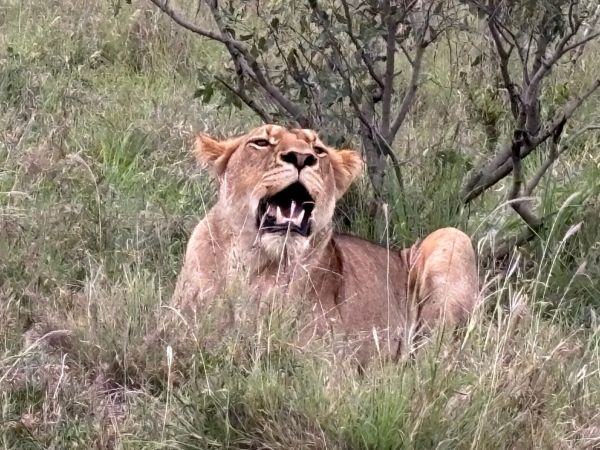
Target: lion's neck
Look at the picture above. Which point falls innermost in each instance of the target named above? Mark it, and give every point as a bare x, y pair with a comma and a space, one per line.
290, 259
246, 254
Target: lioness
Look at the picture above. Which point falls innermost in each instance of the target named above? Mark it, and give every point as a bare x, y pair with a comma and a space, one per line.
273, 222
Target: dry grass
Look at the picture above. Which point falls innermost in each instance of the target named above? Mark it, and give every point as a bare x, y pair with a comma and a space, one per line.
97, 197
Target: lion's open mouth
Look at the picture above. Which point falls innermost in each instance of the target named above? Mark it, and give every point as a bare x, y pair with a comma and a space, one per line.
289, 210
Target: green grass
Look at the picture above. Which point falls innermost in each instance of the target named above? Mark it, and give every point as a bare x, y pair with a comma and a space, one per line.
98, 196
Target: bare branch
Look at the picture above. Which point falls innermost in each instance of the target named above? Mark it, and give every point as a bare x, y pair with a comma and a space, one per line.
582, 42
504, 55
387, 150
501, 165
507, 35
407, 55
421, 44
425, 27
541, 45
525, 60
542, 66
165, 7
566, 112
521, 205
570, 15
409, 93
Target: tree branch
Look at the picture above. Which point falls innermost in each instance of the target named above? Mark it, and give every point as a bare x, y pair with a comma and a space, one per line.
504, 55
243, 96
542, 67
165, 7
239, 53
586, 33
387, 150
521, 205
583, 41
360, 48
409, 94
501, 165
387, 17
254, 69
553, 155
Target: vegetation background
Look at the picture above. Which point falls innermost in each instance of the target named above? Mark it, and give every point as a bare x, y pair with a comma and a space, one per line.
98, 105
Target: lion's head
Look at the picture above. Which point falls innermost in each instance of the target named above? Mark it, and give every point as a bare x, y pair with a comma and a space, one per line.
278, 186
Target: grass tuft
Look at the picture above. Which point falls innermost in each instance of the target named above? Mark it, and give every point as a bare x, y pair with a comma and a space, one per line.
97, 199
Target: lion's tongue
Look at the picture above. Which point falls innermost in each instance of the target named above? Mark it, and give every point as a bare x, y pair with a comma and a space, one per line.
293, 214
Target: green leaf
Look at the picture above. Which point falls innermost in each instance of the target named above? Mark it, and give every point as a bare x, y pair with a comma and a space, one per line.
198, 92
208, 93
235, 101
262, 43
340, 18
275, 23
205, 92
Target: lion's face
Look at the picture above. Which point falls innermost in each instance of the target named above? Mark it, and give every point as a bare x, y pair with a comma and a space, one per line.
279, 185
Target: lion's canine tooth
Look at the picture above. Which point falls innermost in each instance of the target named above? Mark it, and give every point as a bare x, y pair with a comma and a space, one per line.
292, 209
298, 220
279, 216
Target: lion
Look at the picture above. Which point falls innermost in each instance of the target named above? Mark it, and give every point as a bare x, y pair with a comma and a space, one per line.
273, 222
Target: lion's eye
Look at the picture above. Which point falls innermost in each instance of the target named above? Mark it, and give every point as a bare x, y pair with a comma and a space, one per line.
261, 143
319, 150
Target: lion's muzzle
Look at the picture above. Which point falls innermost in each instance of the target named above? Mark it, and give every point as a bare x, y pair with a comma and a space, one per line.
288, 211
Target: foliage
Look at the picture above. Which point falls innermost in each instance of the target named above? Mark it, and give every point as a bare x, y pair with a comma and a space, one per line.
335, 65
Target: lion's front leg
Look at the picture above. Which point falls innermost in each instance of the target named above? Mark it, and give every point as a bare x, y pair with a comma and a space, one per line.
443, 278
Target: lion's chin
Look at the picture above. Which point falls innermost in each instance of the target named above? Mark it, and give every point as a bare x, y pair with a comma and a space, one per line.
278, 245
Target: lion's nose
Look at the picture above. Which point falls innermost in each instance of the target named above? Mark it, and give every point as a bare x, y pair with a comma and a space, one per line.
299, 160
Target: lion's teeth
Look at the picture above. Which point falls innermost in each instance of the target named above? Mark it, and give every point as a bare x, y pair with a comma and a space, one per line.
298, 220
292, 209
279, 216
271, 211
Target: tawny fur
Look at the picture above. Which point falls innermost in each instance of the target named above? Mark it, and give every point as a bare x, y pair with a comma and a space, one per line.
351, 286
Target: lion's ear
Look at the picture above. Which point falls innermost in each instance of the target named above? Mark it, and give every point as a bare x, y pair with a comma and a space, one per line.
346, 167
215, 154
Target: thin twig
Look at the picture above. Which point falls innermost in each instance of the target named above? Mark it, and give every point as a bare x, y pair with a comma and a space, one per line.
264, 115
360, 47
391, 25
513, 95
